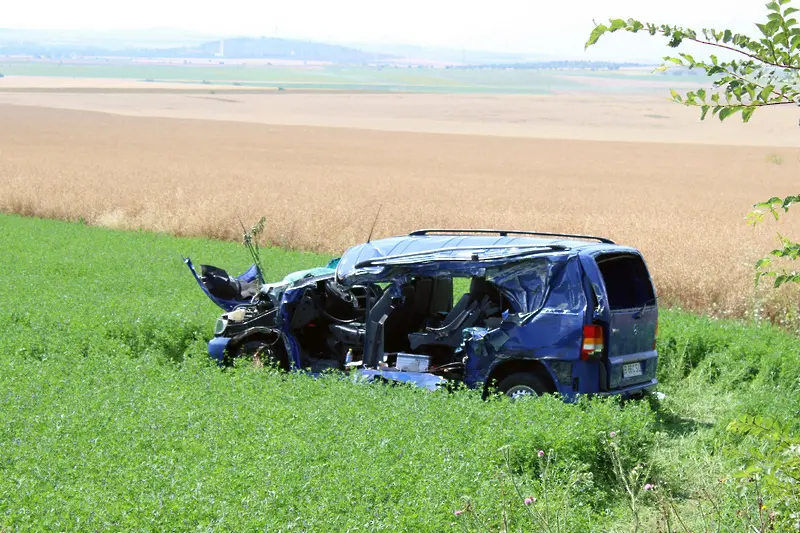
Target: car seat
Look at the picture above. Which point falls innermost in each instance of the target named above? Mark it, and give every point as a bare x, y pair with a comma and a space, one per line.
482, 301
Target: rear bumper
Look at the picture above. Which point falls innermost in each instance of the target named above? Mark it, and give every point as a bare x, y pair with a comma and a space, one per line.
633, 390
216, 348
616, 381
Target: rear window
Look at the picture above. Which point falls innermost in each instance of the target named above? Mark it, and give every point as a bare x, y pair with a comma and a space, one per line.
627, 283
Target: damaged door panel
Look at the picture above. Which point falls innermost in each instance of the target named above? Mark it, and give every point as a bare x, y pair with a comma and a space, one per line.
224, 290
542, 313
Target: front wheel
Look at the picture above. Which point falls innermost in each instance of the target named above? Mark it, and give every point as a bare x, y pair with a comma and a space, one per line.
523, 384
262, 350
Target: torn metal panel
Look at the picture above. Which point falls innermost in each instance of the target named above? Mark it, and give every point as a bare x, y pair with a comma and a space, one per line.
420, 379
228, 304
545, 330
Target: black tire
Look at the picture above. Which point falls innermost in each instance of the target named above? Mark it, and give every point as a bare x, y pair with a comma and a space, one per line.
269, 351
523, 384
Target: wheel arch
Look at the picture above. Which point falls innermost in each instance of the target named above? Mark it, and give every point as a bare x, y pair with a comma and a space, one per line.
504, 368
267, 335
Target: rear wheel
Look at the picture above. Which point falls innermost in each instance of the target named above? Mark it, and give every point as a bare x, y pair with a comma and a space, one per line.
523, 384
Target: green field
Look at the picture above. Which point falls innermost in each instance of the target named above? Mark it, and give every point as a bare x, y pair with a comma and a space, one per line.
112, 418
436, 80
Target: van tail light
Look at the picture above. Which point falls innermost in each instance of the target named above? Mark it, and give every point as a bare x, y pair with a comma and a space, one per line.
592, 342
655, 338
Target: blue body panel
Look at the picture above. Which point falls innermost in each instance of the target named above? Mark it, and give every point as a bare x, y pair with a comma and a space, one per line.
216, 348
554, 333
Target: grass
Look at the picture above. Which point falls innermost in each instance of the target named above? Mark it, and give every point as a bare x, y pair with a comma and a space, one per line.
111, 416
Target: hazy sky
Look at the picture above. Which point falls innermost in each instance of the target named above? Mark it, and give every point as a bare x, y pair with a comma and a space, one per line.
498, 25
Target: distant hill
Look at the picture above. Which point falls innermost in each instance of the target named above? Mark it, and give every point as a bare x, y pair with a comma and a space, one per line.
103, 39
19, 44
273, 48
557, 65
444, 55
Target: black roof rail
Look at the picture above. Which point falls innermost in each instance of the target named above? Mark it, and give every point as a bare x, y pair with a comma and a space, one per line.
527, 249
507, 232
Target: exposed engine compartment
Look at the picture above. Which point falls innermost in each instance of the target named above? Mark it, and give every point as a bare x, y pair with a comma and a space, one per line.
333, 326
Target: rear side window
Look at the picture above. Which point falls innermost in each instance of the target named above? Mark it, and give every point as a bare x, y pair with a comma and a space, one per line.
627, 283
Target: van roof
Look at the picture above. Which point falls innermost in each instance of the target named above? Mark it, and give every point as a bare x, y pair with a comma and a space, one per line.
458, 245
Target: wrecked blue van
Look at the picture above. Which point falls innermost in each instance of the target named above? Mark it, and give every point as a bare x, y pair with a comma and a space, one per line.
516, 312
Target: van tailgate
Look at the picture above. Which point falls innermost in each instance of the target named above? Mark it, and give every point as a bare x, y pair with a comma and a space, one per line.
632, 358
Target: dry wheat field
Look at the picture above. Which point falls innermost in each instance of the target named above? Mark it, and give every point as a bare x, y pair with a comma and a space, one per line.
319, 187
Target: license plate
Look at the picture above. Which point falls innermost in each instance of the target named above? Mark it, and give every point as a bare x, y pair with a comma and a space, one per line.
631, 370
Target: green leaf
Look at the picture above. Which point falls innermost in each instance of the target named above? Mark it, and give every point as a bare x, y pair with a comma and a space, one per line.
768, 203
766, 92
764, 261
617, 24
747, 112
773, 6
726, 37
597, 32
760, 275
701, 94
704, 111
725, 112
676, 96
772, 26
789, 200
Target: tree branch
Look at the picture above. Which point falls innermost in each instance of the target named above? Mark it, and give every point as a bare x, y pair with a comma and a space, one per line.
775, 92
773, 63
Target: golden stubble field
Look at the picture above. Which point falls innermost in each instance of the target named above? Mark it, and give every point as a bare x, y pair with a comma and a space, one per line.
319, 188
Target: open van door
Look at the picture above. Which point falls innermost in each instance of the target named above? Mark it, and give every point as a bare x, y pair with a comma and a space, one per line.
630, 317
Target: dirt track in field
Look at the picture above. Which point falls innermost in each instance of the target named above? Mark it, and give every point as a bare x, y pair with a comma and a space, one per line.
609, 116
319, 187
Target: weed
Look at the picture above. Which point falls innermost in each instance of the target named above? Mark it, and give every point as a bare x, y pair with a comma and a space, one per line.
775, 159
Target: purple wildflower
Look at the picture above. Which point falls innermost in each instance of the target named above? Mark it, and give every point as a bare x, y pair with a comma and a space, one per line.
540, 453
529, 501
